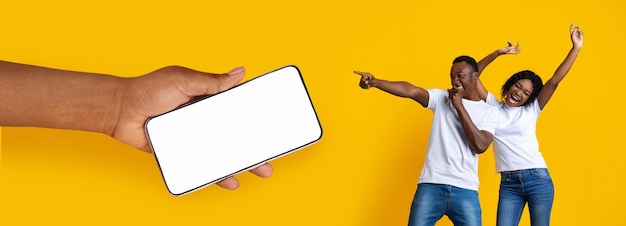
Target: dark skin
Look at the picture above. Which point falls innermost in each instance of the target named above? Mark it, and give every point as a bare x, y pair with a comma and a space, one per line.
118, 107
462, 77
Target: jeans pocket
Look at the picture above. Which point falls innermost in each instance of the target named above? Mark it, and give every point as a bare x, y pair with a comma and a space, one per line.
541, 173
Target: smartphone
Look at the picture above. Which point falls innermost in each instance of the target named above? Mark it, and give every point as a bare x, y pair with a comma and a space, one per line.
200, 143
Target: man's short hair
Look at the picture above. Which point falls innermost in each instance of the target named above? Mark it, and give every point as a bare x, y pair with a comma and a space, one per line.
469, 60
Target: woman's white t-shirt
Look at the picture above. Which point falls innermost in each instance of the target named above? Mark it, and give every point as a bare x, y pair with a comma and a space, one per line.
515, 141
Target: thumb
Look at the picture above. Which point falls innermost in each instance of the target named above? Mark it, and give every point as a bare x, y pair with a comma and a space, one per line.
203, 83
231, 78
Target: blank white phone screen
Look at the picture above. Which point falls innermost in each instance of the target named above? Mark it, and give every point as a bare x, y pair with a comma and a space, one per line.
233, 131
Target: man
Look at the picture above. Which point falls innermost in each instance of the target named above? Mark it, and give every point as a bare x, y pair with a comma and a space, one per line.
462, 128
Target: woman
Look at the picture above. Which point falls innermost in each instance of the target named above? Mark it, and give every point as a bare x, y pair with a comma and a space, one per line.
524, 174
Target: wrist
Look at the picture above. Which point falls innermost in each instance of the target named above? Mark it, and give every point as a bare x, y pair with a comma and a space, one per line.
119, 88
98, 106
373, 82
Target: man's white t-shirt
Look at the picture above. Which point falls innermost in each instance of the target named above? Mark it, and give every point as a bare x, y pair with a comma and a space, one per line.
515, 142
449, 159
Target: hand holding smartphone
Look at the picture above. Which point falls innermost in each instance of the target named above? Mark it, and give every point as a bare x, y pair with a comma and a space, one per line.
219, 136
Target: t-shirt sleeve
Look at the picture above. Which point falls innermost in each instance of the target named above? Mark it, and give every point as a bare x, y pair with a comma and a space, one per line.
492, 100
535, 107
491, 120
433, 96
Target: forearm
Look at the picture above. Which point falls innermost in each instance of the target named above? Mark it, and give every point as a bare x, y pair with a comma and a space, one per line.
564, 67
401, 89
483, 63
550, 87
44, 97
478, 140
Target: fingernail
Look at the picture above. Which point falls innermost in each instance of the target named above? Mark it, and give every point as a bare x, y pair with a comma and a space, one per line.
237, 70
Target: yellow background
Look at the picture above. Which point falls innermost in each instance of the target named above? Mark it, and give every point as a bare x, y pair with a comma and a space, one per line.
365, 169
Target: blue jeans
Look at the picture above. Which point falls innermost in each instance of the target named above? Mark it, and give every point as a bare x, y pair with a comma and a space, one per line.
532, 186
432, 201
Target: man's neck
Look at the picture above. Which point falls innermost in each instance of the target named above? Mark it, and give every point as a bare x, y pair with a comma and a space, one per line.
471, 95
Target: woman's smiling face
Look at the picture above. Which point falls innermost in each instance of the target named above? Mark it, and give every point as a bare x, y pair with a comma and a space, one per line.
519, 93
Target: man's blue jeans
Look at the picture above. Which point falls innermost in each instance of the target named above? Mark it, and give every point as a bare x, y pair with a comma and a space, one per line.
432, 201
532, 186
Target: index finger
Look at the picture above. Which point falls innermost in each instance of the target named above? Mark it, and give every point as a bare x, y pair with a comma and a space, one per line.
361, 73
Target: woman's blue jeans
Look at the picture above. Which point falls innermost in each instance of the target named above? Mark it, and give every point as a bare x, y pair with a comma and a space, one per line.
532, 186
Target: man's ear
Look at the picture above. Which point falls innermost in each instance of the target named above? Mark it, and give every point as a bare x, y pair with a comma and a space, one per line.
476, 75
